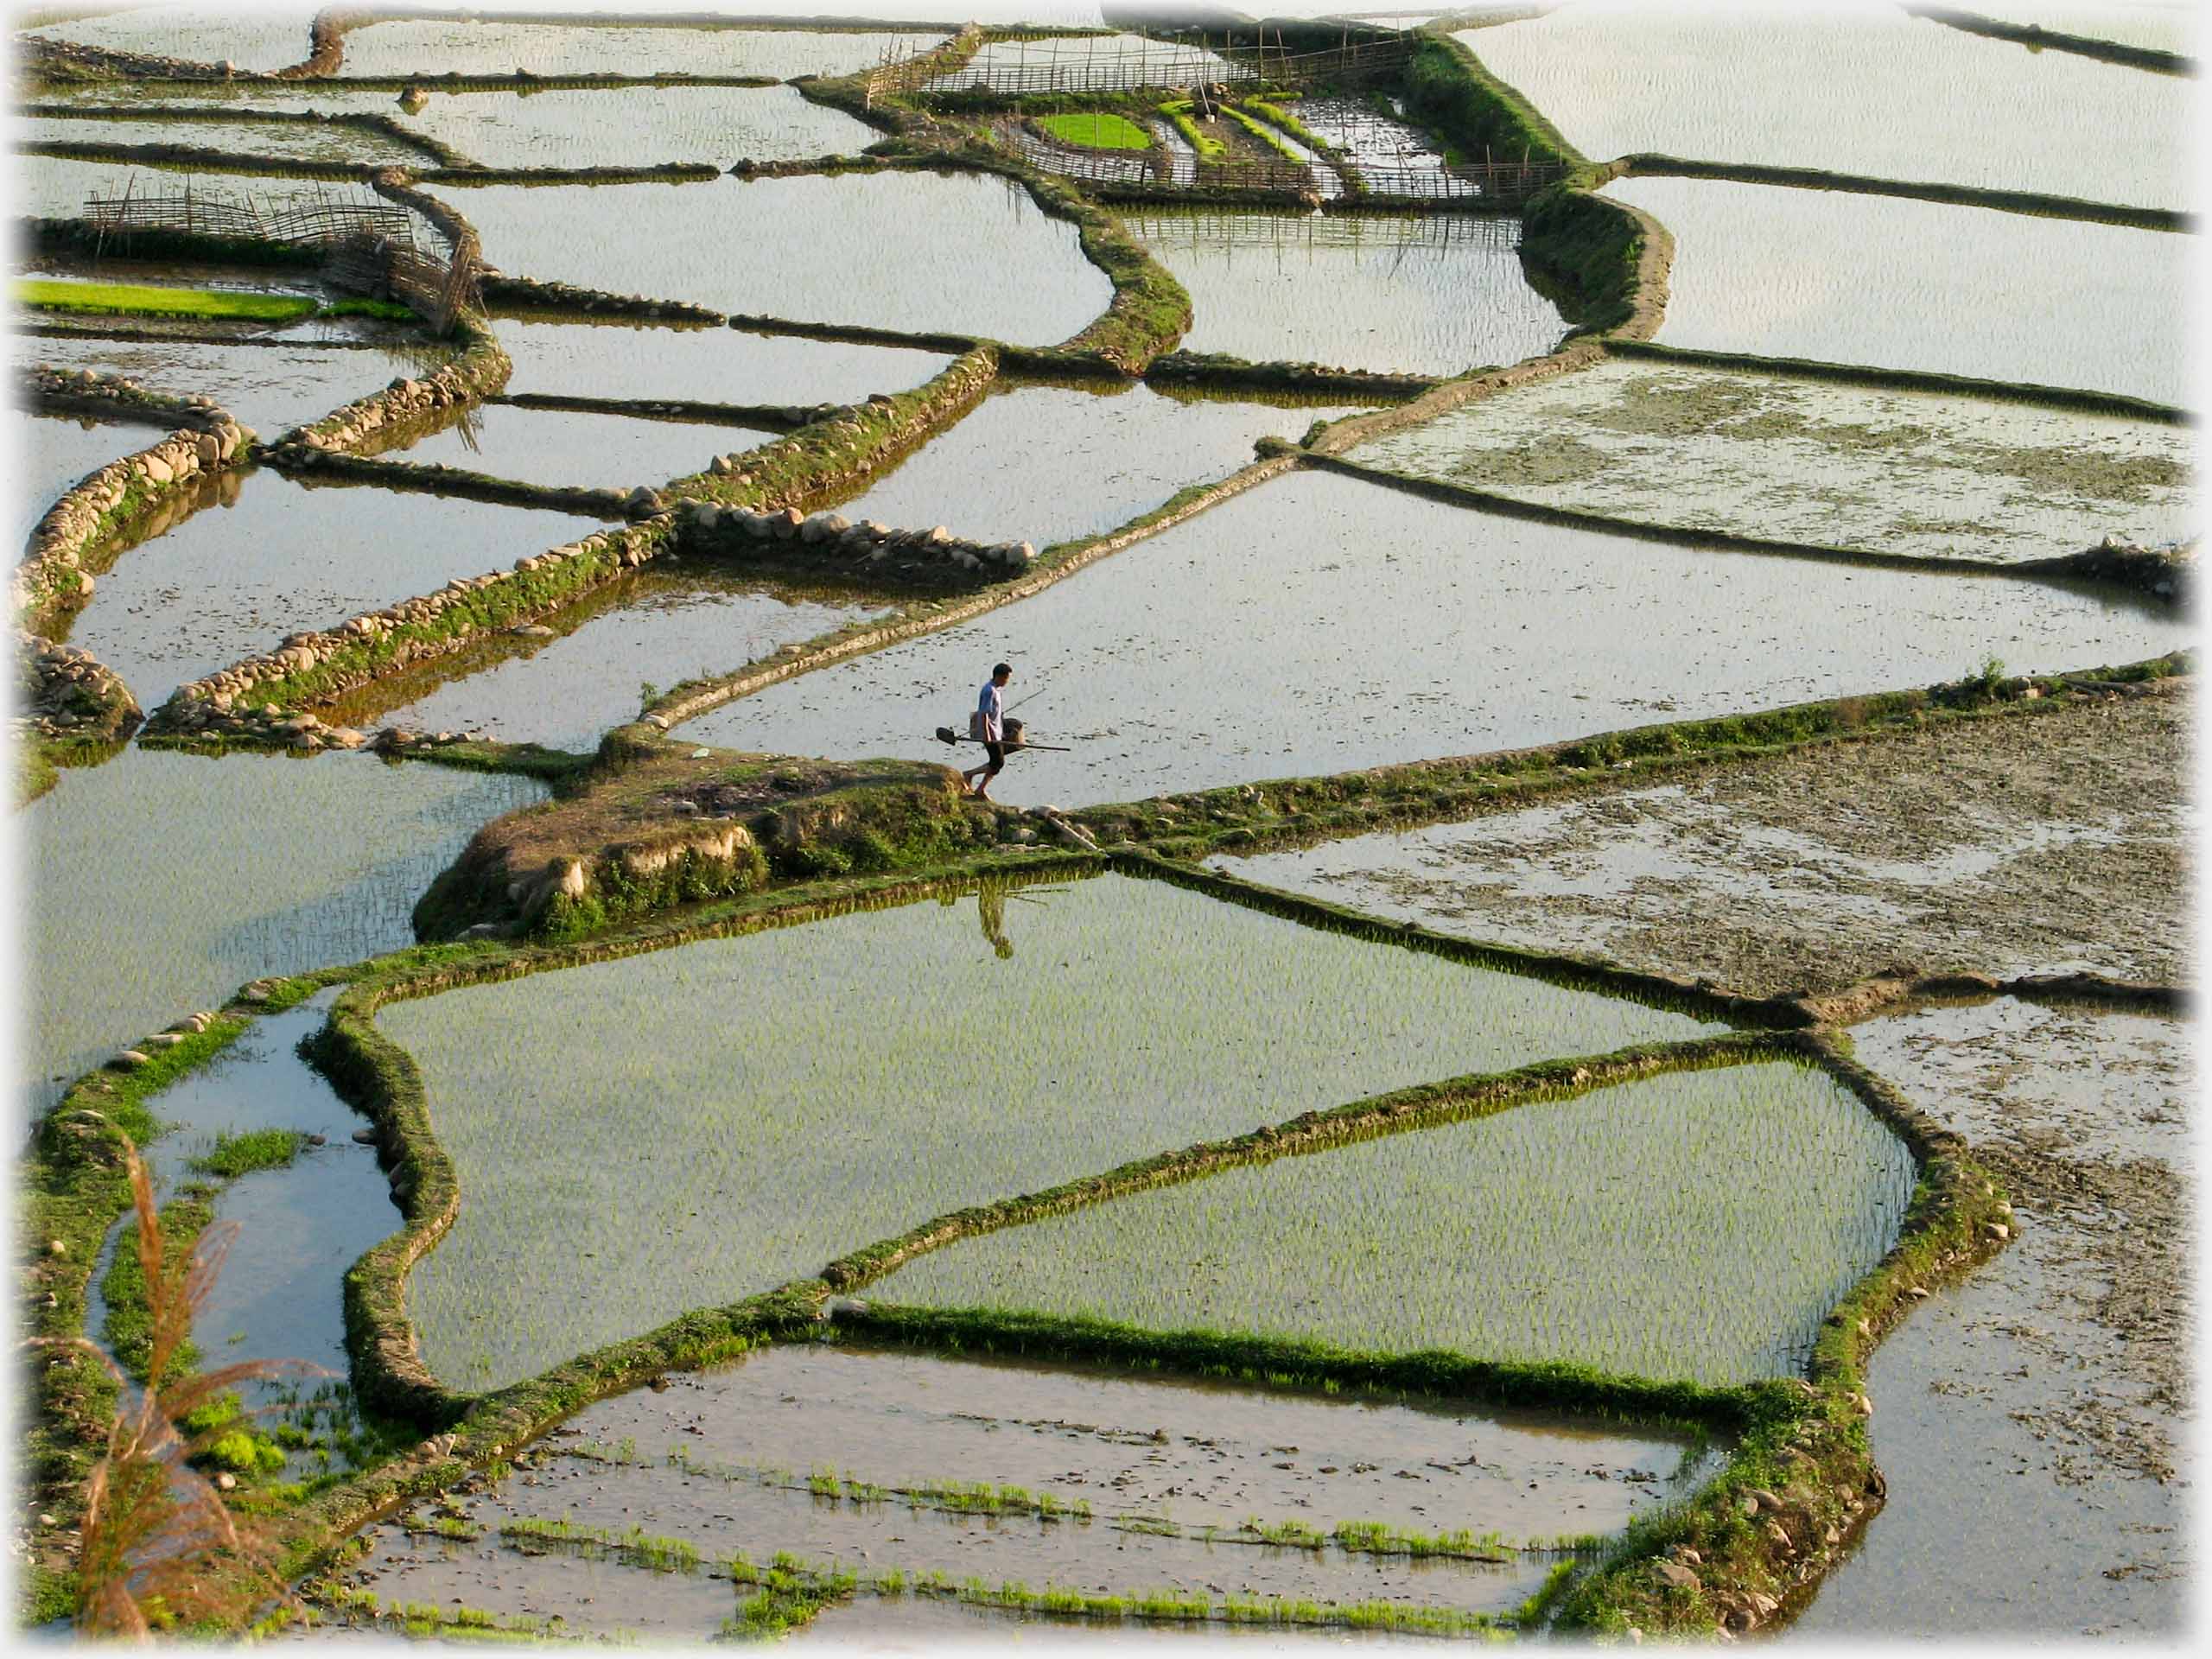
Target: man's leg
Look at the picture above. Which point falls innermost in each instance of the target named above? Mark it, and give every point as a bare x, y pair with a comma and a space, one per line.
983, 791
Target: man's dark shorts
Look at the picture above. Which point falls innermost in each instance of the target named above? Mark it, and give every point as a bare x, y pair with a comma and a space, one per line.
997, 752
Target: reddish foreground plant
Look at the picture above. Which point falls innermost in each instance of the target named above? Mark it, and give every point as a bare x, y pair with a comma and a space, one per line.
159, 1547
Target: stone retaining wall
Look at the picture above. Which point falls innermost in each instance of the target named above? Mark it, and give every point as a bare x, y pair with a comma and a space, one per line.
249, 702
69, 695
839, 543
51, 584
259, 700
482, 368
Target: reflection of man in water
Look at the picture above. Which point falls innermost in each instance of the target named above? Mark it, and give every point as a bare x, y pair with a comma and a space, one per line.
990, 908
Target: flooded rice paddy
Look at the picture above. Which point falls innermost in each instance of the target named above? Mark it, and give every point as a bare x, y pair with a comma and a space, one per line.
1872, 468
299, 1227
2062, 1367
837, 1032
1432, 296
569, 357
281, 556
564, 691
52, 452
678, 1129
1153, 1478
1700, 1224
1316, 623
284, 140
1045, 464
604, 127
1901, 284
147, 848
491, 46
995, 264
1865, 89
575, 449
258, 37
272, 388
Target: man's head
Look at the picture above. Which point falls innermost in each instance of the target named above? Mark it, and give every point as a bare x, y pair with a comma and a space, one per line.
1001, 674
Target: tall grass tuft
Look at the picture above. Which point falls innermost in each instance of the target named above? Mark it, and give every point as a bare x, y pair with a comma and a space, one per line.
159, 1548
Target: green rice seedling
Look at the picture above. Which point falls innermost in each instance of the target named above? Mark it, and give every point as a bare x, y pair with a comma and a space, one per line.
1096, 132
1697, 1225
1178, 112
51, 294
571, 1041
1291, 1534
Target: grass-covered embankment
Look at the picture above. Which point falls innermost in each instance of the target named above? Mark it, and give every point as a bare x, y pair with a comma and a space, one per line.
1300, 810
74, 1188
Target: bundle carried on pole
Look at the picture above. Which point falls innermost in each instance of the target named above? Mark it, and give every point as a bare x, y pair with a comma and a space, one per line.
1013, 739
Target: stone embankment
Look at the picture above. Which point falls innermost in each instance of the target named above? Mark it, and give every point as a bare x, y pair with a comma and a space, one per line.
69, 695
51, 584
250, 701
480, 369
734, 531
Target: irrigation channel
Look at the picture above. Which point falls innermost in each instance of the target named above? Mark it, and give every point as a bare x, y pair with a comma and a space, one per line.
1577, 1023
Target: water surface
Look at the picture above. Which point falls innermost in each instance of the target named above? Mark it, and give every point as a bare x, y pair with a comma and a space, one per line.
1438, 296
488, 46
570, 1098
656, 626
232, 579
1317, 624
1043, 464
810, 249
160, 882
1903, 284
1851, 89
1594, 1231
285, 140
576, 448
53, 452
637, 126
700, 363
260, 36
272, 388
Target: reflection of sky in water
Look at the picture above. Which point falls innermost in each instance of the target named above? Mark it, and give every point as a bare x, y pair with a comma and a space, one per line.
269, 388
1043, 464
216, 872
637, 126
1316, 624
575, 449
1435, 296
259, 36
701, 364
494, 47
1900, 284
944, 1076
996, 266
1851, 89
230, 582
565, 692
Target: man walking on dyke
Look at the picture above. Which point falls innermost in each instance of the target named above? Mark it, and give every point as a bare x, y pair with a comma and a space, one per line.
985, 723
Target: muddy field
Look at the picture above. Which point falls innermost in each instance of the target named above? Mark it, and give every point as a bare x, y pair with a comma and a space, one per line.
2048, 844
